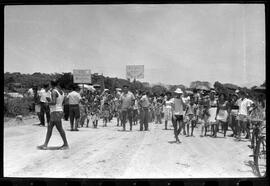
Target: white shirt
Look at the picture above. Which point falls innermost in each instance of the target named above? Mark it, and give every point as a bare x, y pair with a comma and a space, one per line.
74, 98
43, 95
178, 107
244, 105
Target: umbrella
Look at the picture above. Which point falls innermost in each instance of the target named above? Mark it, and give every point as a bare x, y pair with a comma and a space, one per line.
202, 87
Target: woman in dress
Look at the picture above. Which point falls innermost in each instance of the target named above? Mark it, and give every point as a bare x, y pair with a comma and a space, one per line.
168, 109
222, 114
212, 111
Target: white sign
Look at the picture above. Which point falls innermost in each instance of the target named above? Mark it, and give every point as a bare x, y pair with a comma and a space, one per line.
135, 71
82, 76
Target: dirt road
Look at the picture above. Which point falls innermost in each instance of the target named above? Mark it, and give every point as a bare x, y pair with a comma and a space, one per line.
111, 153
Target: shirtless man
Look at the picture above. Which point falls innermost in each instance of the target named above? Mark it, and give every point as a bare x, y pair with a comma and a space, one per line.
56, 110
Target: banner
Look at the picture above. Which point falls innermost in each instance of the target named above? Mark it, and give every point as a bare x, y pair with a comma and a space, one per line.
135, 71
82, 76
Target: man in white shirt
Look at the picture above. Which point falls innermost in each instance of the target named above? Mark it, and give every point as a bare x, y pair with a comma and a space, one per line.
244, 106
74, 99
127, 102
44, 107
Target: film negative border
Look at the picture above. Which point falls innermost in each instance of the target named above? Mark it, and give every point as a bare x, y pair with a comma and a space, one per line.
146, 182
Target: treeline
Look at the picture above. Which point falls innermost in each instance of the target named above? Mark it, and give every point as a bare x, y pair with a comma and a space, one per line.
17, 82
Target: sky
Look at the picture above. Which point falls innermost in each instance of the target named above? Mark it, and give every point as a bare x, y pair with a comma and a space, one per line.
177, 44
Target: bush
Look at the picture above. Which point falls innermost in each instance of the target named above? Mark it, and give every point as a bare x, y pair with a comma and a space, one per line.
17, 106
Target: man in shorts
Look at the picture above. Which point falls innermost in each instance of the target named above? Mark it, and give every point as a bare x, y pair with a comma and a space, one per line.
244, 105
56, 110
177, 113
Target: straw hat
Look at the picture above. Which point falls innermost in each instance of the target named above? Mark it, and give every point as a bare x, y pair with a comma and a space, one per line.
178, 91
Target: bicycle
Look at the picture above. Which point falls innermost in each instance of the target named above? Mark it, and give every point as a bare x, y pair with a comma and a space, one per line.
258, 143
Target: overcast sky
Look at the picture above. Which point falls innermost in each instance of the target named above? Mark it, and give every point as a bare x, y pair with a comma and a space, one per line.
177, 44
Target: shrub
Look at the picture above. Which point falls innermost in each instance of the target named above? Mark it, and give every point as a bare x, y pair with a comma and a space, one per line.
17, 106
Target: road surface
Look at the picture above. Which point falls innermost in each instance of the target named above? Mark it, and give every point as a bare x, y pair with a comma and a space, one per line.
108, 152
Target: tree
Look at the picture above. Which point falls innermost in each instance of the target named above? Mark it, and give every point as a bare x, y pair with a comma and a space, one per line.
66, 80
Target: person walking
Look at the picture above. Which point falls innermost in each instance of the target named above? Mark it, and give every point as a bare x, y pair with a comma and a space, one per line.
178, 112
44, 107
74, 99
127, 102
144, 111
56, 110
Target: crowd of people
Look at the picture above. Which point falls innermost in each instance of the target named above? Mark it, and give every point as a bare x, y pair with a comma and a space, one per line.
211, 111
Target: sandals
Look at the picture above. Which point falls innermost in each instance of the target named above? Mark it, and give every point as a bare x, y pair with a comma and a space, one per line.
42, 147
64, 147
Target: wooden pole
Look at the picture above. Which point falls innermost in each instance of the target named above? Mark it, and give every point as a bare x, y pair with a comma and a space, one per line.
83, 89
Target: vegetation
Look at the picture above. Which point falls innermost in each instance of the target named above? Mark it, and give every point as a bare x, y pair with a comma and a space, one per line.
17, 82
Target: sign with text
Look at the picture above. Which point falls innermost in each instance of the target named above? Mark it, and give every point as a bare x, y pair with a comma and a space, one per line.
82, 76
135, 71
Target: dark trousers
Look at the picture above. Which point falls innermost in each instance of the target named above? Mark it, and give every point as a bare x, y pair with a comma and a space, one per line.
66, 112
74, 114
44, 109
144, 118
127, 114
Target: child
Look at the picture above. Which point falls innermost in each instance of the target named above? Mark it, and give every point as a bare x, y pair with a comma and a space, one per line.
95, 116
105, 114
83, 112
158, 111
203, 119
190, 116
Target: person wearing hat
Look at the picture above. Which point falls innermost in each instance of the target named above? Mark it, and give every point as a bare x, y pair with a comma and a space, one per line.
177, 113
127, 102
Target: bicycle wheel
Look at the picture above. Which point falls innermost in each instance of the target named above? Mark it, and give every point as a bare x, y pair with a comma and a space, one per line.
260, 157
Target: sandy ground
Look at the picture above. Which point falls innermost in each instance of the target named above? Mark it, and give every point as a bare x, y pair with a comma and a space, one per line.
108, 152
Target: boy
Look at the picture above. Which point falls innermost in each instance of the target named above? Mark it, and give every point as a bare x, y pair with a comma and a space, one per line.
83, 111
190, 115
